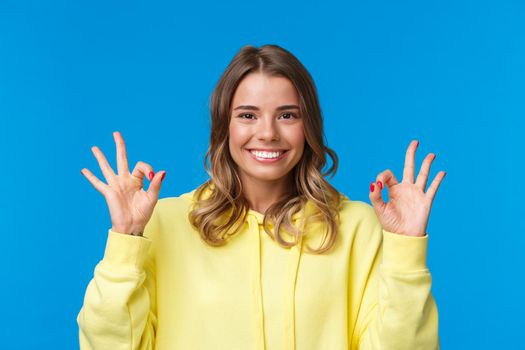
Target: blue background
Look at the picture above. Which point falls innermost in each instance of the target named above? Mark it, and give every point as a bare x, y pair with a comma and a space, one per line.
448, 73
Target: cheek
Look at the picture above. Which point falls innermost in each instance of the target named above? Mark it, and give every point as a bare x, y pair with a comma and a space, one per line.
296, 137
238, 137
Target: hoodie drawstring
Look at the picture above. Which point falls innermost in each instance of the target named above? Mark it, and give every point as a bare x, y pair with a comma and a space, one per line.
253, 232
255, 229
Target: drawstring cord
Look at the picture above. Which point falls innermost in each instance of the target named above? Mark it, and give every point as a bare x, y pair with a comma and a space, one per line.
254, 230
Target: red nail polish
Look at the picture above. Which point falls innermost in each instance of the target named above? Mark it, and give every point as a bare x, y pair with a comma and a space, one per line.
380, 184
150, 175
372, 187
162, 178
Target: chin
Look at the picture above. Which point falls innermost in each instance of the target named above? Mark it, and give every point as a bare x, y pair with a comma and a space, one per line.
269, 177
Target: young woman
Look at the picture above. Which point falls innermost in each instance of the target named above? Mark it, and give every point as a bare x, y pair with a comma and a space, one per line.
266, 254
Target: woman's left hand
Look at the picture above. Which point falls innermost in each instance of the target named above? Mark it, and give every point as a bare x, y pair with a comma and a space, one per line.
408, 208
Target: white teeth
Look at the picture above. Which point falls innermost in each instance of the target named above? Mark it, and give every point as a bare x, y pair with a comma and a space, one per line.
268, 155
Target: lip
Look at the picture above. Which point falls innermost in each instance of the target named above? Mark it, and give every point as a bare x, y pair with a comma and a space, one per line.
264, 160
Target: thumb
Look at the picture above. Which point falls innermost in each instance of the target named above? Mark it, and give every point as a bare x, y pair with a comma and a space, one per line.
156, 182
375, 196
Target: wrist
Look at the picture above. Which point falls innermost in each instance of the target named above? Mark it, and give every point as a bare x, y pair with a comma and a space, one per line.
133, 231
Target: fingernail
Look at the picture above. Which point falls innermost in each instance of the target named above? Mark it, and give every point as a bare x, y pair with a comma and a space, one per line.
380, 184
162, 178
150, 175
372, 187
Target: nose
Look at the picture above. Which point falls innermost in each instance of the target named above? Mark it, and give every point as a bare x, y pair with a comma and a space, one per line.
267, 130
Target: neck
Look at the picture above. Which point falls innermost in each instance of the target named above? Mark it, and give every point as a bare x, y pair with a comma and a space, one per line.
262, 194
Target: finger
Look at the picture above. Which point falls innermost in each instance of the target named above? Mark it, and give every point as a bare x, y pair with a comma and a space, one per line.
142, 170
375, 197
387, 178
99, 185
422, 178
431, 193
103, 163
154, 186
408, 171
122, 158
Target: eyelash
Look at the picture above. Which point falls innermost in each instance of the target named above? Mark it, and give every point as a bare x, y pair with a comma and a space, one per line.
242, 115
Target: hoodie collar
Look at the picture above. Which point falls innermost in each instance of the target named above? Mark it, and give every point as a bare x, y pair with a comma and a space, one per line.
254, 220
308, 210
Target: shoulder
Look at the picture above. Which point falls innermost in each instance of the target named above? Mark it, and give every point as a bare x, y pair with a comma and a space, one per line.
179, 202
174, 207
359, 220
355, 211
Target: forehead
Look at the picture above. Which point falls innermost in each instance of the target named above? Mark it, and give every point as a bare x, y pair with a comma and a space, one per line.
260, 89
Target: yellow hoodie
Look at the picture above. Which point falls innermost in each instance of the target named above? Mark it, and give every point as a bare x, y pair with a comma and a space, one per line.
169, 290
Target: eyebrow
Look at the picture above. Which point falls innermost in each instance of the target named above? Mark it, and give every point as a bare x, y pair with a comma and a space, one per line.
255, 108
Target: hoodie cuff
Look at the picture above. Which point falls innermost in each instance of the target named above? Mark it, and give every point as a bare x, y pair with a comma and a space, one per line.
404, 253
124, 251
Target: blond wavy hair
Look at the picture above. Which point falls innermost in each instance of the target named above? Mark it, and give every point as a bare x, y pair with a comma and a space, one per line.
220, 208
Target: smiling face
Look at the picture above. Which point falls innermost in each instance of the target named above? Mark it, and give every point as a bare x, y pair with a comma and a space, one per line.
266, 135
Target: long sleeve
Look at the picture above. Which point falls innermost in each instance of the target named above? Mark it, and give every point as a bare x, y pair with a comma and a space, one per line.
400, 311
119, 310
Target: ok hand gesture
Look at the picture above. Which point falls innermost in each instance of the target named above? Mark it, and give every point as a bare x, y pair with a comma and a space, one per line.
408, 208
130, 207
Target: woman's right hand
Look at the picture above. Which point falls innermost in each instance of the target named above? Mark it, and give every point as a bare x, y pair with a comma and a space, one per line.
130, 207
